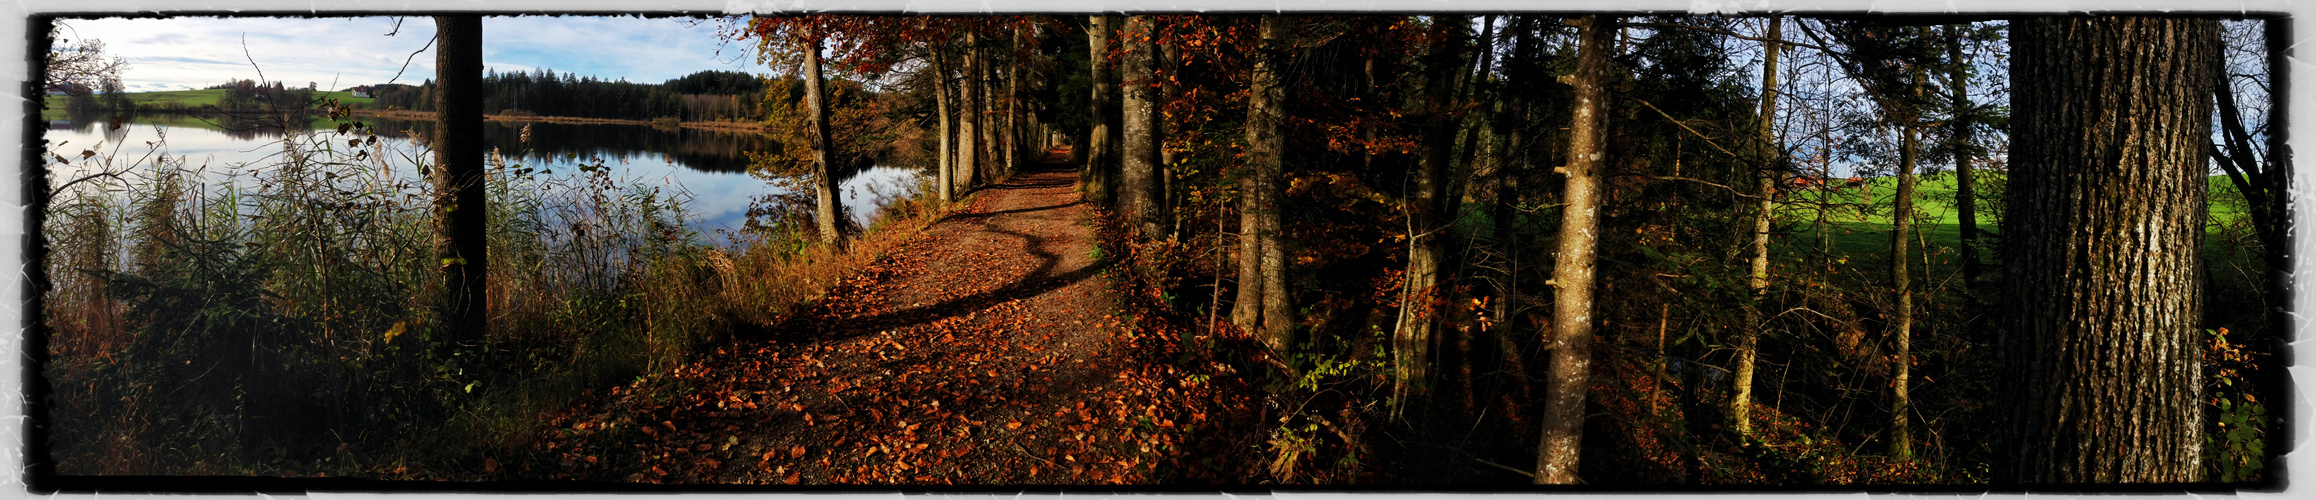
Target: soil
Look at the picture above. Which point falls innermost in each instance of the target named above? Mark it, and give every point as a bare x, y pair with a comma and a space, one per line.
988, 350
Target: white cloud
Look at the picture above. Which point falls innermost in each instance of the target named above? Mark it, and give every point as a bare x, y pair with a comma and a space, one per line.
194, 52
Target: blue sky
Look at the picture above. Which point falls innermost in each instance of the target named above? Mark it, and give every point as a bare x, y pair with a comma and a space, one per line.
195, 52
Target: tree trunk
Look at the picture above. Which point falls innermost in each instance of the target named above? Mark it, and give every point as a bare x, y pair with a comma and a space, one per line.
824, 177
1139, 165
1170, 66
946, 183
460, 250
1519, 71
1902, 228
984, 79
2101, 241
1765, 180
1572, 273
1263, 298
1013, 107
967, 170
1101, 164
1412, 339
1965, 174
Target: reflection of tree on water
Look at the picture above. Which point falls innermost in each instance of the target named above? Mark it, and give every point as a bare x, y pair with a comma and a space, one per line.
247, 127
702, 150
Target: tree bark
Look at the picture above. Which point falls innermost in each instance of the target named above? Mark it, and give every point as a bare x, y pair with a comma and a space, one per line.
2101, 241
1572, 273
1965, 173
1139, 165
1263, 298
1169, 67
1013, 143
823, 177
947, 183
1412, 338
460, 236
969, 99
984, 78
1902, 225
1765, 180
1101, 163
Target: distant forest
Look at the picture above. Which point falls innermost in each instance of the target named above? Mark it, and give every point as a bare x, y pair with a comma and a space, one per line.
702, 96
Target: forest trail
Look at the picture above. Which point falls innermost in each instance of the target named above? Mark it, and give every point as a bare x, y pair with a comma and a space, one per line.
987, 350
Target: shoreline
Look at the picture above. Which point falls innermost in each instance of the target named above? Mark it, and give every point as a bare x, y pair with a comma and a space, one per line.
720, 126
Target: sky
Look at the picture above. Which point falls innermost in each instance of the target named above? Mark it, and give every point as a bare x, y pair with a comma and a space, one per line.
195, 52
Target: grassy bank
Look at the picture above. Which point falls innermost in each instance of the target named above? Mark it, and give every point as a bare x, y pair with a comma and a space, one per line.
285, 326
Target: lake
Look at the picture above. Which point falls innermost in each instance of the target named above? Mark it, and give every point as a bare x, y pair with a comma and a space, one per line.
711, 166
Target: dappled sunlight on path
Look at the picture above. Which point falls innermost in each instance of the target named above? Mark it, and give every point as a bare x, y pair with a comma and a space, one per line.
988, 350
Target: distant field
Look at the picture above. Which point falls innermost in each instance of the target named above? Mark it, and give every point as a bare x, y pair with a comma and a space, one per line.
1934, 195
1867, 236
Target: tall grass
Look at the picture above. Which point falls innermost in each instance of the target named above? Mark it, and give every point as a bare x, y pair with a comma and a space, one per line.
277, 318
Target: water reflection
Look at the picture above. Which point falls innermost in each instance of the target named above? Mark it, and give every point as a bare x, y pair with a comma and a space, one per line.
708, 166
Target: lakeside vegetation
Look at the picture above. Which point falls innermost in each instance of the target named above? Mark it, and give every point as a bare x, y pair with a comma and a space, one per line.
320, 263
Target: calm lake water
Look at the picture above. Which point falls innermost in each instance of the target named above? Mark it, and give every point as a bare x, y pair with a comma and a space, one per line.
710, 166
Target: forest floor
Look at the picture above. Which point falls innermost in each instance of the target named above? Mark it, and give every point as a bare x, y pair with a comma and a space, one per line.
988, 350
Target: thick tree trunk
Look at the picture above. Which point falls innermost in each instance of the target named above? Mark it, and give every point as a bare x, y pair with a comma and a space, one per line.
1139, 165
460, 251
823, 176
1765, 180
1412, 338
2101, 241
1572, 272
1101, 177
1264, 300
967, 169
947, 183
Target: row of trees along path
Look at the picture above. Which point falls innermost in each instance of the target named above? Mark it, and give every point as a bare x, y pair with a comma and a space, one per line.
988, 350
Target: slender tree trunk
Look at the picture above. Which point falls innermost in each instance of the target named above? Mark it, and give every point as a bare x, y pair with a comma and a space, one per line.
460, 250
1765, 179
1101, 165
824, 177
1412, 339
1519, 70
1572, 273
2101, 241
1169, 66
1139, 164
1902, 222
1474, 138
947, 182
1013, 142
969, 100
984, 78
1965, 174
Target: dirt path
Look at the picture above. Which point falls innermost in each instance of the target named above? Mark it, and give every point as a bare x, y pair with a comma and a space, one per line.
988, 350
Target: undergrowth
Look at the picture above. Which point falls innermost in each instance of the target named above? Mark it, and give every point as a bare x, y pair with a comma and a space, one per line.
276, 318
